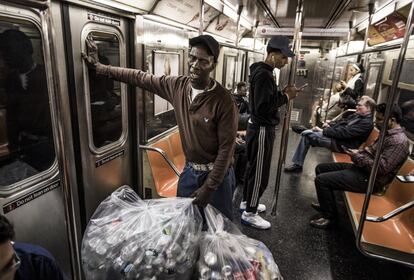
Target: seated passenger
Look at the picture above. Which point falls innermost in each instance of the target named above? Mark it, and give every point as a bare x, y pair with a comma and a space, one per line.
240, 159
350, 132
354, 176
407, 121
354, 88
242, 105
23, 261
324, 110
241, 98
332, 109
28, 122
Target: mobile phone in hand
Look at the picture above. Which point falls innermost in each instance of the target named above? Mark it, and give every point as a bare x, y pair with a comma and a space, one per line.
406, 178
303, 87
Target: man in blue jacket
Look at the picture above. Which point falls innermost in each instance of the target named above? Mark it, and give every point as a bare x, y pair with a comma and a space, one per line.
350, 133
20, 261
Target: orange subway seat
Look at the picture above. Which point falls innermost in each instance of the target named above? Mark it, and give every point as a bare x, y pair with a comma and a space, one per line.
396, 233
165, 179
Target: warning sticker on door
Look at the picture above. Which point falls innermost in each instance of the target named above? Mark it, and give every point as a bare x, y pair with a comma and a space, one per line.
30, 197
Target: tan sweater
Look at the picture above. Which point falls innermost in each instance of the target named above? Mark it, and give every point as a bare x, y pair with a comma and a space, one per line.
207, 126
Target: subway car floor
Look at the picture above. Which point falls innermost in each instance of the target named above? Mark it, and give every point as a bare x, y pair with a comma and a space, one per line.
303, 252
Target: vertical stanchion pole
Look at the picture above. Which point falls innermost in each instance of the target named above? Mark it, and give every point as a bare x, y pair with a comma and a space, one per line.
349, 36
330, 87
239, 10
392, 97
291, 81
370, 14
201, 27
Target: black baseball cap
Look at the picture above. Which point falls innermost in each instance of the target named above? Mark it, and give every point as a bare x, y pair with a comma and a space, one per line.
209, 42
281, 43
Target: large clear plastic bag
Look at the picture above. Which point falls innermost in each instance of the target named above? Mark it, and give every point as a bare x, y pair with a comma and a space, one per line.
227, 254
131, 238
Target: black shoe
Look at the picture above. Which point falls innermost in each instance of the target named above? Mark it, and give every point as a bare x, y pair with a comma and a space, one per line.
321, 223
293, 168
299, 128
316, 206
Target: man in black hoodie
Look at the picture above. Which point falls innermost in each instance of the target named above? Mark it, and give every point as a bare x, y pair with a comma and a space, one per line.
265, 99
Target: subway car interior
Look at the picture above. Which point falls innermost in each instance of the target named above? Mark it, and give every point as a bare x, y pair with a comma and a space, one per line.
70, 137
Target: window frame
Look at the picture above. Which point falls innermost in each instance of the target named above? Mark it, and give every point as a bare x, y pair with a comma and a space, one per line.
392, 55
154, 52
36, 20
226, 59
377, 64
109, 30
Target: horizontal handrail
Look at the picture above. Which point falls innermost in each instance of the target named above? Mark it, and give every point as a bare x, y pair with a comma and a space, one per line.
373, 49
164, 155
391, 214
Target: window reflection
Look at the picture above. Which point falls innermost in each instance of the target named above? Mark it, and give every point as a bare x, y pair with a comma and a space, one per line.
156, 123
406, 101
105, 94
26, 140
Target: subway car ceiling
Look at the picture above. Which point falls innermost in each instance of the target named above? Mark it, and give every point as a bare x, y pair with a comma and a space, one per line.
92, 139
325, 22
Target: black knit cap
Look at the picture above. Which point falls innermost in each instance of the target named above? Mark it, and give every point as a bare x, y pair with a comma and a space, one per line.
209, 42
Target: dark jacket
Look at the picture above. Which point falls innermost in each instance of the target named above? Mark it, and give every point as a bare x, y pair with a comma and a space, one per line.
350, 132
241, 103
36, 263
244, 112
265, 97
349, 97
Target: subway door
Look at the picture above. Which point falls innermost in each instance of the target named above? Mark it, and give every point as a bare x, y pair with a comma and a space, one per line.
102, 107
31, 185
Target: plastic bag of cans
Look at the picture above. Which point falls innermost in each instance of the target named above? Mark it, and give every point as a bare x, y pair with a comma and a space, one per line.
131, 238
225, 253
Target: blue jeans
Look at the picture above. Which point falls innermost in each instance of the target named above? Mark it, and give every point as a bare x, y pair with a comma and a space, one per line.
190, 180
309, 138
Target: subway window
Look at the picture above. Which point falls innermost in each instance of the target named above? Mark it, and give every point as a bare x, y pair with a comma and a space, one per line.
159, 114
26, 139
105, 94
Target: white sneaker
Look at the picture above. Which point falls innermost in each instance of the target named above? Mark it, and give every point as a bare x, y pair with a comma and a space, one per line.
254, 220
260, 208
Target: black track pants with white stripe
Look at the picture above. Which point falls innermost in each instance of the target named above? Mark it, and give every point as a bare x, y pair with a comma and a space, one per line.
259, 156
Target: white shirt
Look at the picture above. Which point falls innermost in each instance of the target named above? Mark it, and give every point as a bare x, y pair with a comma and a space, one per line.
195, 92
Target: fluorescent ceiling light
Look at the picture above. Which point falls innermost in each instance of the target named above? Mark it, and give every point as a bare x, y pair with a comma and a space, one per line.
230, 13
228, 3
216, 4
245, 23
168, 22
121, 6
220, 38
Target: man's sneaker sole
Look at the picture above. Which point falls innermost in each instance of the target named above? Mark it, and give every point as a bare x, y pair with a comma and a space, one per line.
241, 210
246, 223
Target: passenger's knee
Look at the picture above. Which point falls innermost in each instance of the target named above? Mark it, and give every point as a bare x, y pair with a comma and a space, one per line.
320, 182
318, 170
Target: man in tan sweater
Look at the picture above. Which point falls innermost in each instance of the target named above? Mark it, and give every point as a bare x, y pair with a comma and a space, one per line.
206, 117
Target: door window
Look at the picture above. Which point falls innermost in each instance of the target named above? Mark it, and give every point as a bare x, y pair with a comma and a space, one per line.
26, 138
105, 94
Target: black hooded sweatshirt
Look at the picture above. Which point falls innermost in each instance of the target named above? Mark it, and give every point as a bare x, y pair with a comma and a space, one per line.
265, 97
